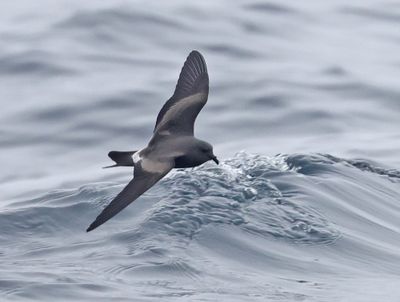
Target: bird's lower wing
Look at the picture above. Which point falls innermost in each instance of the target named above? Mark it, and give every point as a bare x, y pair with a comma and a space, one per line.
142, 181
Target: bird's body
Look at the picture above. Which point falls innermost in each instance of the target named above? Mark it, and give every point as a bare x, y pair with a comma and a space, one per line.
180, 151
173, 144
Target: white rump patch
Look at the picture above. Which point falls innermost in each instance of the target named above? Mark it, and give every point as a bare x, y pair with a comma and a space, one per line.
136, 157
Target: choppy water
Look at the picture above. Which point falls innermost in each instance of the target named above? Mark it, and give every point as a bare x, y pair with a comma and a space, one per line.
304, 112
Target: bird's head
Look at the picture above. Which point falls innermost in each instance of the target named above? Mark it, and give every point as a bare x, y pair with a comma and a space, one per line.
207, 151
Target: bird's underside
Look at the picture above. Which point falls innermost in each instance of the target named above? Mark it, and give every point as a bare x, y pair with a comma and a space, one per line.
172, 144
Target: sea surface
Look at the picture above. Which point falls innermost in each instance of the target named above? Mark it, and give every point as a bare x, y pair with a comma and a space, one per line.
303, 113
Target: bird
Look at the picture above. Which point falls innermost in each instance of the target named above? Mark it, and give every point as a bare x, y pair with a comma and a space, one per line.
172, 145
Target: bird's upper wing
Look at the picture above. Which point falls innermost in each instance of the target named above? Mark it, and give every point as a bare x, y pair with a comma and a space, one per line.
178, 114
142, 181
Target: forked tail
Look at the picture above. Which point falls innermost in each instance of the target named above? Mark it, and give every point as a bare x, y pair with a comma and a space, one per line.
121, 158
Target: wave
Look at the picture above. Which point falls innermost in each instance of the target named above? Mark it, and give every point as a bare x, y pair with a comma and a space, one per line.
275, 197
301, 212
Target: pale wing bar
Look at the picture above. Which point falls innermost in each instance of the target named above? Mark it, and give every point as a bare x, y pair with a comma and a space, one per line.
189, 98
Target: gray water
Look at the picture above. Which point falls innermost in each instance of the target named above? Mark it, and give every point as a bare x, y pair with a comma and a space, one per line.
303, 112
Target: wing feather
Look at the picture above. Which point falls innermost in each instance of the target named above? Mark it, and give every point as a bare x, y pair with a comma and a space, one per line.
179, 113
141, 182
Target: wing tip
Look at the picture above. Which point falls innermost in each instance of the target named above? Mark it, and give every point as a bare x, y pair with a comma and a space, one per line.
91, 227
193, 76
195, 52
198, 61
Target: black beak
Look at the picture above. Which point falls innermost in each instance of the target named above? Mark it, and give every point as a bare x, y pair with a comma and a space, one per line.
215, 159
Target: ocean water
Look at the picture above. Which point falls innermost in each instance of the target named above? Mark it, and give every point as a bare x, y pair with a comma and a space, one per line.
303, 113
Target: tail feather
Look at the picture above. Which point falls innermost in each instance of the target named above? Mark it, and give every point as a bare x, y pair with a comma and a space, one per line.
121, 158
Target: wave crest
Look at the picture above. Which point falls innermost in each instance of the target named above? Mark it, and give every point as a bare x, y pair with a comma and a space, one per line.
240, 192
